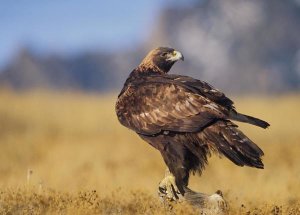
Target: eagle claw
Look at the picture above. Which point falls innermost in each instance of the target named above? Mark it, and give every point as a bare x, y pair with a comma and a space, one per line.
167, 189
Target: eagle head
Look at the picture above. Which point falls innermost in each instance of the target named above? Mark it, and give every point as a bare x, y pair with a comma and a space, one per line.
161, 58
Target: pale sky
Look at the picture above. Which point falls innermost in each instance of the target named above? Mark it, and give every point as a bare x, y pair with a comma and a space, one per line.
70, 26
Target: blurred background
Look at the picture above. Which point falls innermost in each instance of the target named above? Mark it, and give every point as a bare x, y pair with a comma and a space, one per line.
239, 46
62, 64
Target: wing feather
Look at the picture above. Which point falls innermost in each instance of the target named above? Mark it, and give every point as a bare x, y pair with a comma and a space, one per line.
152, 107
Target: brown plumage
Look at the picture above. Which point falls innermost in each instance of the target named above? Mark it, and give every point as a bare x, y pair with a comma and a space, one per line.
184, 118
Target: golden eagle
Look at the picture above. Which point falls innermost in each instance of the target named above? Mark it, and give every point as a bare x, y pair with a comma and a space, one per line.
184, 118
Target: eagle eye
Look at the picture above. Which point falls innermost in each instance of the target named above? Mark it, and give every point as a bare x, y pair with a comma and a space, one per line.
164, 54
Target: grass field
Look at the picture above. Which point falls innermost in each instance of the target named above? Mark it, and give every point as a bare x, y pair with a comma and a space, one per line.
66, 153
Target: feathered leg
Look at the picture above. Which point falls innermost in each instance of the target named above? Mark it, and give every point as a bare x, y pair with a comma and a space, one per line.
182, 153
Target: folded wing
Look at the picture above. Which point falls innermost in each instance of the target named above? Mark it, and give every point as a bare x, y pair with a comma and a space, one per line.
153, 107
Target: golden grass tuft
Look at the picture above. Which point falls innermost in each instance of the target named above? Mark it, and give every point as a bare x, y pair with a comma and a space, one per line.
66, 153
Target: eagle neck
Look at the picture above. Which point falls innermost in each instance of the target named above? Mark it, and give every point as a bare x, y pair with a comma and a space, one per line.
149, 68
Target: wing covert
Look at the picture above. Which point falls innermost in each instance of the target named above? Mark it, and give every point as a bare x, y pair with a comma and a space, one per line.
153, 107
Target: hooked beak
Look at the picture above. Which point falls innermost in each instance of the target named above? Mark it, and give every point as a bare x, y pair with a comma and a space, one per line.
175, 56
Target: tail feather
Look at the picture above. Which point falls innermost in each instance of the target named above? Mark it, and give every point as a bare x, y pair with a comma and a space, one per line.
225, 138
248, 119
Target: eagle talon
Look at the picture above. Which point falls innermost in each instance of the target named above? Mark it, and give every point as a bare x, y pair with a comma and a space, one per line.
167, 189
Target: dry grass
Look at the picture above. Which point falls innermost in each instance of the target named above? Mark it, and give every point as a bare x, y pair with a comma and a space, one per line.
74, 145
